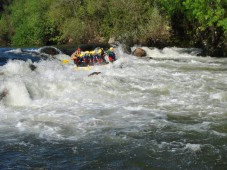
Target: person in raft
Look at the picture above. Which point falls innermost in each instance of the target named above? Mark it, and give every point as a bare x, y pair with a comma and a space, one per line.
111, 55
86, 57
76, 56
102, 54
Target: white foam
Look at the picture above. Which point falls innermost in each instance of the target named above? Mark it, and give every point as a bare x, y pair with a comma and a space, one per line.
193, 147
16, 67
16, 51
17, 94
222, 96
57, 101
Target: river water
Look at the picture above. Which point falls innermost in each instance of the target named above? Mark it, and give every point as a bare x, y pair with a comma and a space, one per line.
164, 112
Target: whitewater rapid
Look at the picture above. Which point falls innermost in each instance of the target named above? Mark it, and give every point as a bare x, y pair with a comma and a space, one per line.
172, 95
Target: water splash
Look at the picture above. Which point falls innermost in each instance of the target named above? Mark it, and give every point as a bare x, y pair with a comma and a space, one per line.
169, 105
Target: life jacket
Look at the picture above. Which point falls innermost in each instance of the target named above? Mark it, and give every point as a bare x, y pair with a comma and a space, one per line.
86, 58
111, 56
77, 60
75, 55
95, 59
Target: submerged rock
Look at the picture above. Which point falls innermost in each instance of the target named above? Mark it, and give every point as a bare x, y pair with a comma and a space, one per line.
32, 67
3, 94
139, 52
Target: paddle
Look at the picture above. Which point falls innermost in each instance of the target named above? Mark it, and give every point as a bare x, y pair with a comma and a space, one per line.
65, 61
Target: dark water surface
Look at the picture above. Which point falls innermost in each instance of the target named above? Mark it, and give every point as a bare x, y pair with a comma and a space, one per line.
143, 150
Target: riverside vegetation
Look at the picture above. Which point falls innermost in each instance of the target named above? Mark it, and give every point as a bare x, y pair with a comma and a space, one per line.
160, 23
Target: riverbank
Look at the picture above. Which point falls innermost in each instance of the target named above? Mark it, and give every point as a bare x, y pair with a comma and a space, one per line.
208, 50
205, 51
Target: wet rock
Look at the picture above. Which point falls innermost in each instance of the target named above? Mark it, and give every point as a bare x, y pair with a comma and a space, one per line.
3, 94
139, 52
126, 49
32, 67
50, 51
94, 73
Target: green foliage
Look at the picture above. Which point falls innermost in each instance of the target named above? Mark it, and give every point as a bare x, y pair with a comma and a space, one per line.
203, 13
38, 22
83, 21
3, 4
30, 24
72, 28
69, 19
200, 22
132, 20
207, 12
170, 6
3, 23
5, 27
156, 28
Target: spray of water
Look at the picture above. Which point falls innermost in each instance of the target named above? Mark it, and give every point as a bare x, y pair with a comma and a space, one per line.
57, 101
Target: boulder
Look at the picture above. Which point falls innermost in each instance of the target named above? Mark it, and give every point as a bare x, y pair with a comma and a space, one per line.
32, 67
139, 52
50, 50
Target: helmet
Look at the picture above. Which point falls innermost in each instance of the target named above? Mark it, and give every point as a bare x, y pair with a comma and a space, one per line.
111, 48
99, 51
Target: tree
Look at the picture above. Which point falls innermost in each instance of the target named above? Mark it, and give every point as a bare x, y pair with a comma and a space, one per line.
5, 26
200, 22
210, 17
30, 24
134, 21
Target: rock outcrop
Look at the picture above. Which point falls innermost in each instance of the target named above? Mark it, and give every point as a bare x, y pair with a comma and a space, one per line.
113, 42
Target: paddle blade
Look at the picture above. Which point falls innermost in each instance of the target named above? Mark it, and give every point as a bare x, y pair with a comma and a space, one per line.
65, 61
